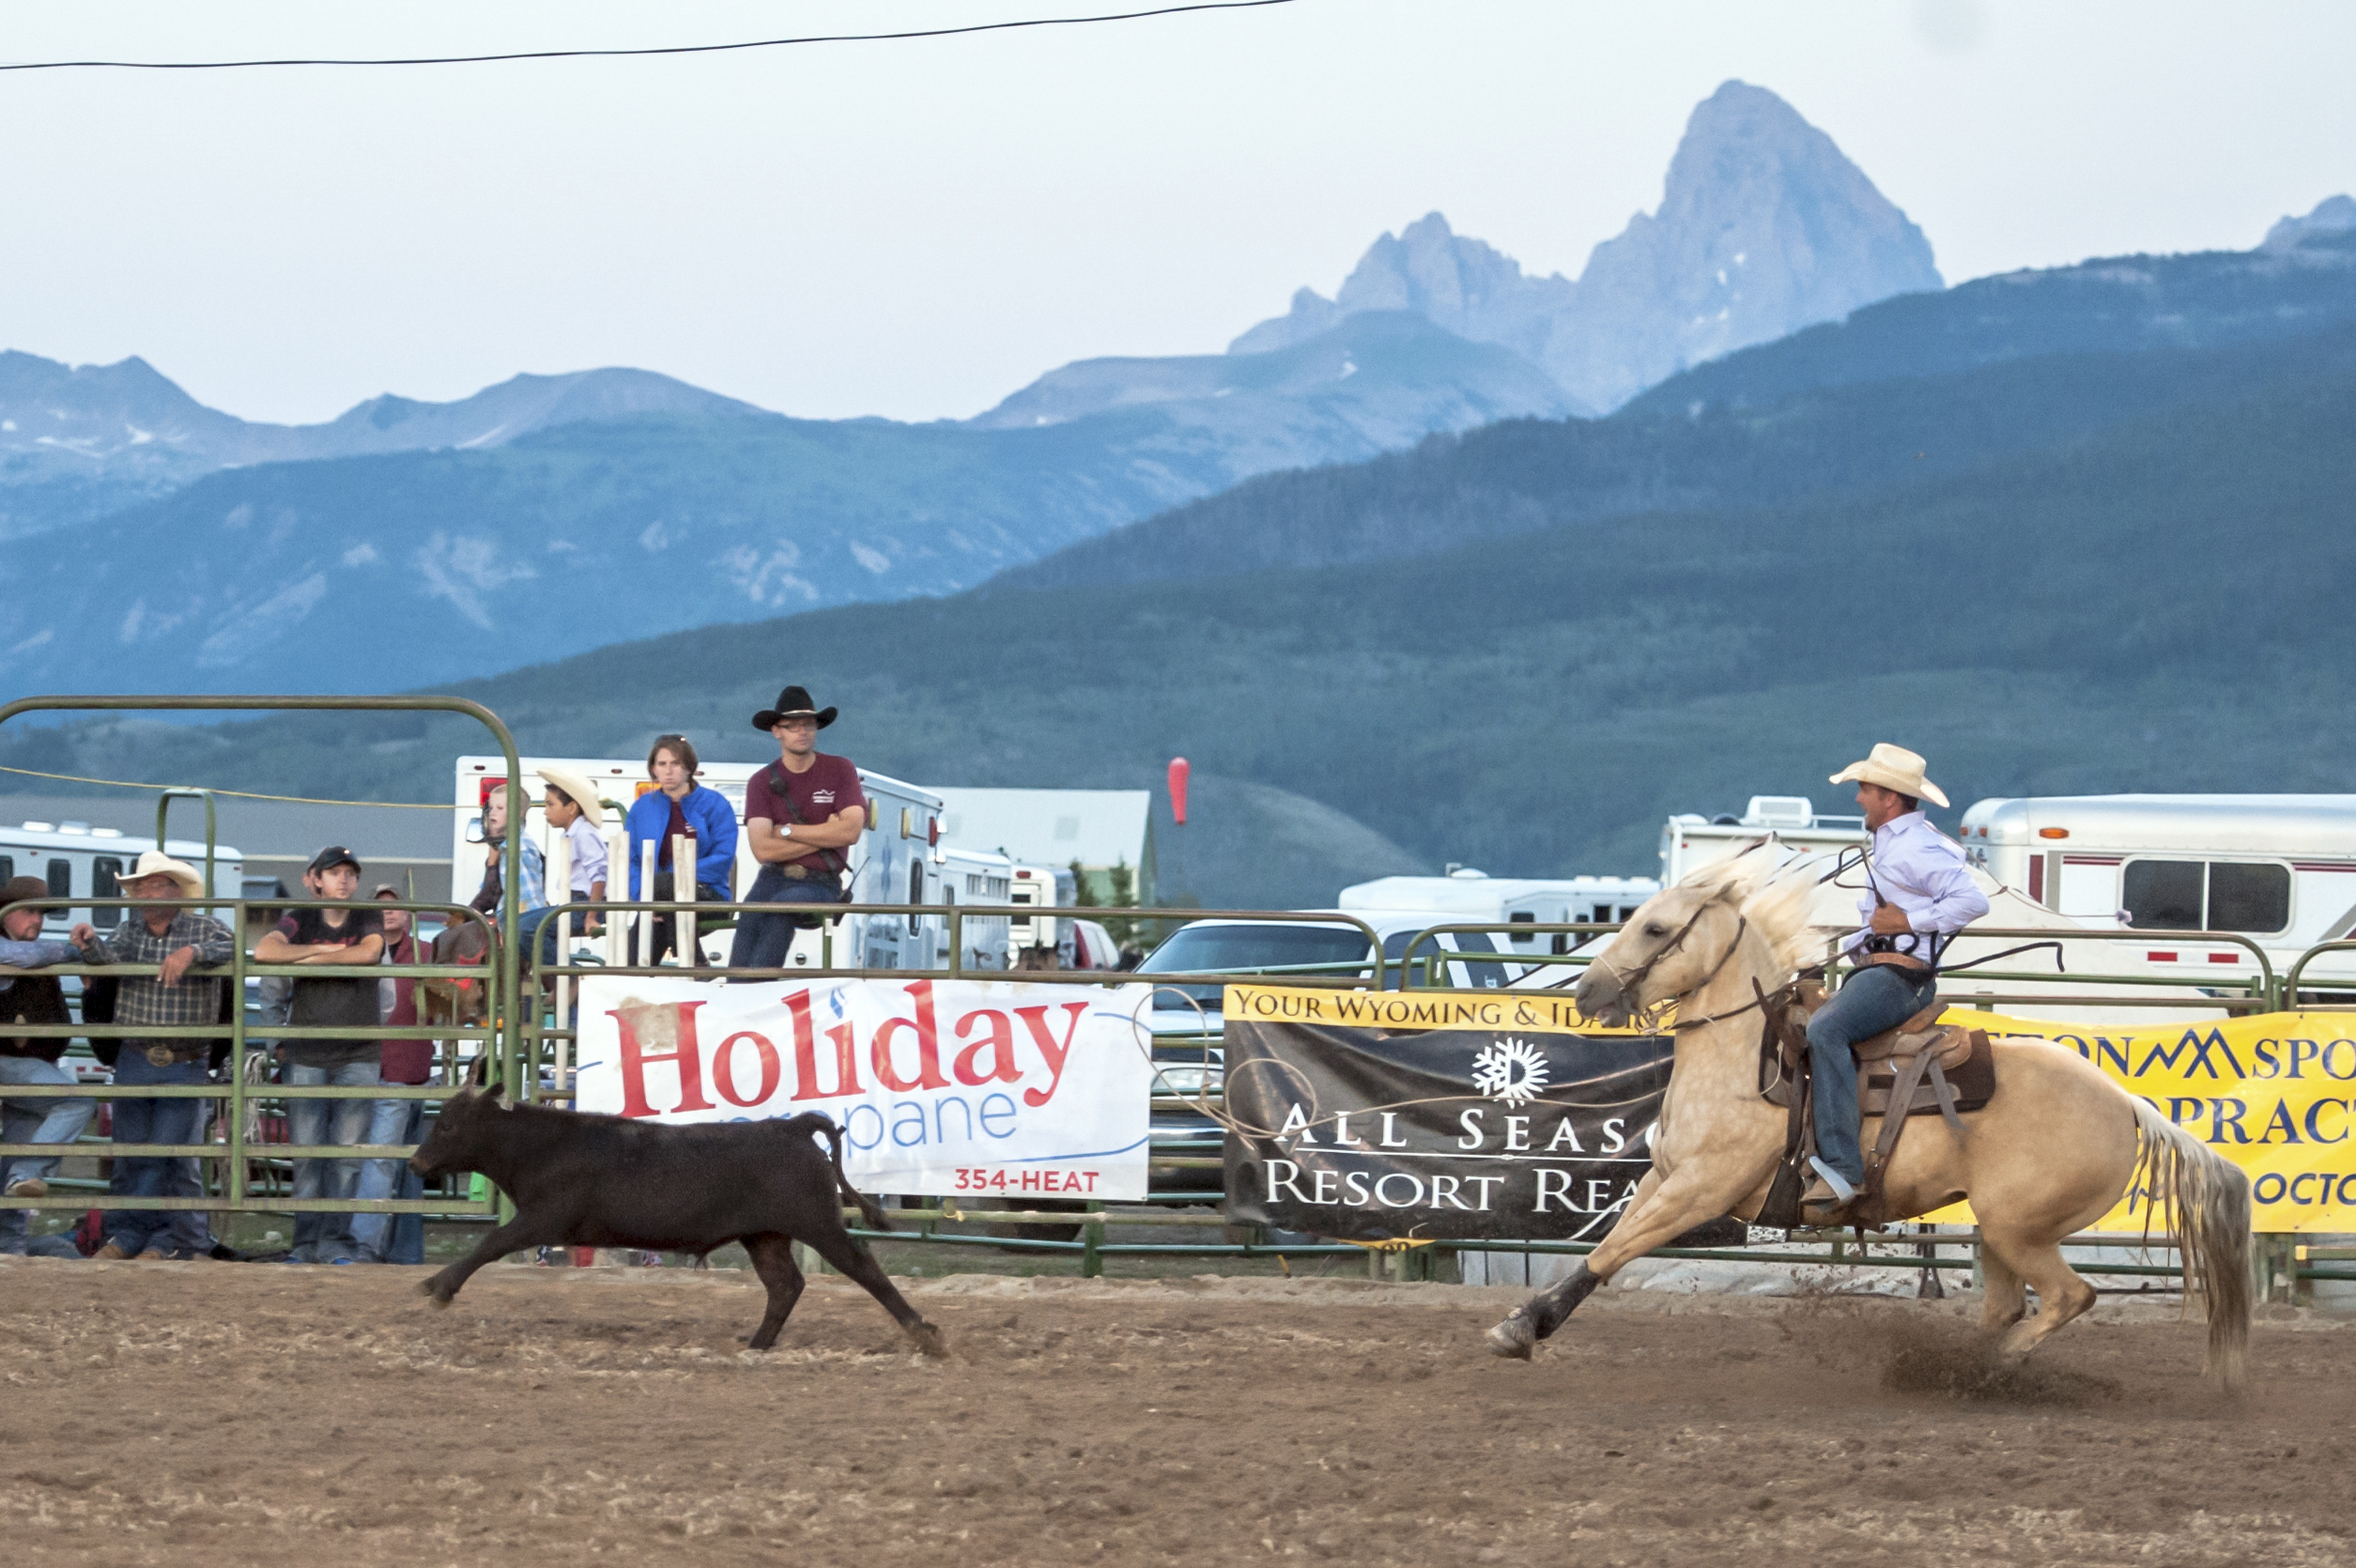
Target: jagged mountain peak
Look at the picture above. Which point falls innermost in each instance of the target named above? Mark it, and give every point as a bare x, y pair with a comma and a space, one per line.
1764, 226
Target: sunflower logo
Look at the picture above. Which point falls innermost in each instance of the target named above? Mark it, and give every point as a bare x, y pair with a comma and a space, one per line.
1512, 1070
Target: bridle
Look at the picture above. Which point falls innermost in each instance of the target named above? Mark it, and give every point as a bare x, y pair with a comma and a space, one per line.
1630, 979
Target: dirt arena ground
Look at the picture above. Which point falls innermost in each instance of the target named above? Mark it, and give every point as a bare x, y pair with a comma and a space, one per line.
203, 1414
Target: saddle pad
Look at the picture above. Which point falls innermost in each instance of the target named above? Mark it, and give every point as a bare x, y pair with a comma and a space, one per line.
1974, 1081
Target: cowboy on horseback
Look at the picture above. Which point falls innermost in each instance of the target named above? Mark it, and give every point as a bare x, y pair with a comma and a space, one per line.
1918, 895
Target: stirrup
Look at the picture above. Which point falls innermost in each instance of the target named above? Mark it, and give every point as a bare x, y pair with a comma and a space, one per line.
1829, 1198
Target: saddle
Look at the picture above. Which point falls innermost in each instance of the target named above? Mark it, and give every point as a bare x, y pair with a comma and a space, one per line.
1922, 1066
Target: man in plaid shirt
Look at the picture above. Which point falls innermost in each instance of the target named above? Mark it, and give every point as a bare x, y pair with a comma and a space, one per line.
175, 939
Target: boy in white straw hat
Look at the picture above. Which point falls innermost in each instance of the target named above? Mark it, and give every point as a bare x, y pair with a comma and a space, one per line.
574, 810
1918, 894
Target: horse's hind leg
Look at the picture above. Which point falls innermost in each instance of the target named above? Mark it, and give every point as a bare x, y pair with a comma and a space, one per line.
2062, 1294
2005, 1302
773, 1260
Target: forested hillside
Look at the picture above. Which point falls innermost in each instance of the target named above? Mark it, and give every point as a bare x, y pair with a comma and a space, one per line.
2156, 605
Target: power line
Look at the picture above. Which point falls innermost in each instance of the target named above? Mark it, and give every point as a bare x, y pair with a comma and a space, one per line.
241, 794
630, 53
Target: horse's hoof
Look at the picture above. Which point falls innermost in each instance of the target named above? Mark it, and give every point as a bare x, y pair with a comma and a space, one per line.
1513, 1339
928, 1341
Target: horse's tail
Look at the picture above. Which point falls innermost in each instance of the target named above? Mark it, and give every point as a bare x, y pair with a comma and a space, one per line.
815, 1122
2210, 1200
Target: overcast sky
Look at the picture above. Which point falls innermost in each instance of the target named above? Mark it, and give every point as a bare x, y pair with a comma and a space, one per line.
916, 229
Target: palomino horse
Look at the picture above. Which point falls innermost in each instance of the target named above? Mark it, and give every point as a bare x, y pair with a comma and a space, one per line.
2051, 1153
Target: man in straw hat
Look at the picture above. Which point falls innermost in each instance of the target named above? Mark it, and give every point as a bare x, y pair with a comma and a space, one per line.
1918, 894
174, 938
802, 814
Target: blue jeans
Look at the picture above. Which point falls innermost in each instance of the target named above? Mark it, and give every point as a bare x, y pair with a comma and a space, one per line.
763, 940
667, 923
325, 1237
540, 929
1872, 1000
34, 1121
157, 1121
391, 1237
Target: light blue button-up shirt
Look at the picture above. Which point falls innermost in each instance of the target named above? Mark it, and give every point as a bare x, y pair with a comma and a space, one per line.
1921, 871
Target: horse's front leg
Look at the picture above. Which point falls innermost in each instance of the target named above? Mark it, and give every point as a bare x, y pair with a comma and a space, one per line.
1660, 1209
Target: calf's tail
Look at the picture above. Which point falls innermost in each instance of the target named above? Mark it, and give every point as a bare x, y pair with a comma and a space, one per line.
868, 1208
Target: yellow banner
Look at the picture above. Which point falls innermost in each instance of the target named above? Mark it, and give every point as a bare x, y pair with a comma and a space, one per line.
1537, 1011
2275, 1093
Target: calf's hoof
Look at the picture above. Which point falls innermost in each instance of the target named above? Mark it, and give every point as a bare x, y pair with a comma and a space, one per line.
1514, 1338
928, 1341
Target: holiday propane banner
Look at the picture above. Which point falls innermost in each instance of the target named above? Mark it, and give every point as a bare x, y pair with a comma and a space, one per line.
940, 1086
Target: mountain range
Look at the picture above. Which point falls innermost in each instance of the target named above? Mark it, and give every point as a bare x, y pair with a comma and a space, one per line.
78, 441
551, 514
2057, 569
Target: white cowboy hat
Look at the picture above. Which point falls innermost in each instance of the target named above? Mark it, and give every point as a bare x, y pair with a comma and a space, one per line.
1893, 767
156, 863
584, 794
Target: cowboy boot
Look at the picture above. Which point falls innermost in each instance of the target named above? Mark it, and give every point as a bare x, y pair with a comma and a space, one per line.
1829, 1198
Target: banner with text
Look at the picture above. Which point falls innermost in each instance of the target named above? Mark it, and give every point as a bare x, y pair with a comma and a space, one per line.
940, 1086
2275, 1093
1490, 1119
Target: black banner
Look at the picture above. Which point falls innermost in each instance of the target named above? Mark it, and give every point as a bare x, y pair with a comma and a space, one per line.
1365, 1134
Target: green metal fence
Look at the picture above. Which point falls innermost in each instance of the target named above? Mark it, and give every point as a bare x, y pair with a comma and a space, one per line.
528, 1035
238, 1195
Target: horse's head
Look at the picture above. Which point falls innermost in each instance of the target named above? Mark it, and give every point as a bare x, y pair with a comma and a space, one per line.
1673, 943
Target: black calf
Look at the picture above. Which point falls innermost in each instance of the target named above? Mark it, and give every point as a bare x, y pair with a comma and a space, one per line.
600, 1181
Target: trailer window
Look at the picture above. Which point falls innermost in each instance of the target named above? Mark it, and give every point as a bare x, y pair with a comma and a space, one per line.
2165, 895
8, 867
2207, 896
106, 873
2248, 898
61, 879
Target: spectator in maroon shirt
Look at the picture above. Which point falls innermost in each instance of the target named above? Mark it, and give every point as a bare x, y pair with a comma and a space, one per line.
395, 1238
802, 814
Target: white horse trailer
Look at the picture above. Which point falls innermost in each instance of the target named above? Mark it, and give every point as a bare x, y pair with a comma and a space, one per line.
895, 861
1691, 841
2279, 870
79, 861
1465, 896
974, 877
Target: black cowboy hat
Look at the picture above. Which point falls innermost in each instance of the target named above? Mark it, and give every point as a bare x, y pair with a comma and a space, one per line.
792, 703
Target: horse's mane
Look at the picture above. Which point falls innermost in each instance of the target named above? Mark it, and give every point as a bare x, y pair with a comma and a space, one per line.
1774, 897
